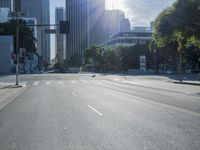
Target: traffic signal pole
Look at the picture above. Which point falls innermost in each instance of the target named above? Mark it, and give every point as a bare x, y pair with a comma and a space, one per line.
17, 42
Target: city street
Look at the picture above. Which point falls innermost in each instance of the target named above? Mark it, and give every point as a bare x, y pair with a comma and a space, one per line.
100, 112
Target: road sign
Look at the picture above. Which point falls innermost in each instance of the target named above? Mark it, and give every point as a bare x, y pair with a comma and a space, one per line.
50, 31
143, 63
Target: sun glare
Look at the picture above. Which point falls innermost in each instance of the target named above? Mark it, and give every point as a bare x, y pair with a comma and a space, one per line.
114, 4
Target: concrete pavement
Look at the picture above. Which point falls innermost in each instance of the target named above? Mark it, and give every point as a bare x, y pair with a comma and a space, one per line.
80, 112
9, 91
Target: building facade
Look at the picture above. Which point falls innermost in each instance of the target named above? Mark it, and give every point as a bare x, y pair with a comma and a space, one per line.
4, 12
113, 19
86, 19
96, 21
59, 40
128, 39
125, 25
6, 54
39, 9
76, 14
6, 4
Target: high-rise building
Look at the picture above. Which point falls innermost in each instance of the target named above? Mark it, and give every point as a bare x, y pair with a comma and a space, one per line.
59, 40
96, 24
6, 4
125, 25
77, 40
113, 19
39, 9
86, 25
4, 12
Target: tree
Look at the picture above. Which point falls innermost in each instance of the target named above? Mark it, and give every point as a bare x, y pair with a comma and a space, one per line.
131, 55
112, 59
26, 38
75, 60
178, 27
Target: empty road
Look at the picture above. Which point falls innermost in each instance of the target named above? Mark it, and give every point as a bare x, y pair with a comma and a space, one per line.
81, 112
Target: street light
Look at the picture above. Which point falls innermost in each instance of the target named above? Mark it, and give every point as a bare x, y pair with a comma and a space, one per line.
180, 67
155, 60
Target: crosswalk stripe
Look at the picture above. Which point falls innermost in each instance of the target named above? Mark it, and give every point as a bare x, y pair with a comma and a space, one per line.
97, 82
36, 83
84, 81
24, 84
73, 82
48, 83
60, 82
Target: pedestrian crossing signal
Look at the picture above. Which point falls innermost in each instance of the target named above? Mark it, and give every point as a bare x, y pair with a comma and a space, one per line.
64, 27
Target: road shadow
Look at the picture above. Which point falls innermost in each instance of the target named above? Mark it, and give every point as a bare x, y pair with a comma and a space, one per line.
11, 87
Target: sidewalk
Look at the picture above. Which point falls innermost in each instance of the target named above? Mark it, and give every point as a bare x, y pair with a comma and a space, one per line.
9, 92
162, 83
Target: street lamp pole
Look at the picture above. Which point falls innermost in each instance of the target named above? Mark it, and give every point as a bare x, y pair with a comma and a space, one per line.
17, 41
155, 60
180, 68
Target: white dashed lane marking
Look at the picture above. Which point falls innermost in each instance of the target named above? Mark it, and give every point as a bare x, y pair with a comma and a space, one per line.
96, 111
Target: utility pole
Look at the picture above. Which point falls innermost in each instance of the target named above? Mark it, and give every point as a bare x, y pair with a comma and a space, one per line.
17, 41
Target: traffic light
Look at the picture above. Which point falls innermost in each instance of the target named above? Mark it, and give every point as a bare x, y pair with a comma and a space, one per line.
64, 27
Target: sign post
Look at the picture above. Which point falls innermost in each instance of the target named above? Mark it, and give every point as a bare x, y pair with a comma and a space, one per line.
143, 64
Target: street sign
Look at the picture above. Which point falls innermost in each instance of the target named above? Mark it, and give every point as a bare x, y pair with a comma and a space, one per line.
143, 63
50, 31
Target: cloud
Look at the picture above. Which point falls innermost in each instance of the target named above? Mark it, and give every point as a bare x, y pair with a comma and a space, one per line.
141, 12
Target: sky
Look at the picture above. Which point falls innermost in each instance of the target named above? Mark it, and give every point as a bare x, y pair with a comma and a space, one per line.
139, 12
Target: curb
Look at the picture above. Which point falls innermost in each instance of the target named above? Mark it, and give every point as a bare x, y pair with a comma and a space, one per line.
187, 83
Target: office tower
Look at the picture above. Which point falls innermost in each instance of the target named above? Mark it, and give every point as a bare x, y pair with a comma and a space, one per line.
112, 20
39, 9
86, 25
77, 40
9, 4
96, 24
125, 25
59, 40
5, 4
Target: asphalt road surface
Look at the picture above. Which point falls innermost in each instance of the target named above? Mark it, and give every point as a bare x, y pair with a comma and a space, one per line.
81, 112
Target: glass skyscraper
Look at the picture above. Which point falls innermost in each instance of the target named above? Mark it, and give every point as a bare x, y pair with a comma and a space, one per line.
39, 9
60, 43
86, 25
6, 4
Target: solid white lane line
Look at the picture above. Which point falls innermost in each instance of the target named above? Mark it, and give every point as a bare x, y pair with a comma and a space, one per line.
95, 110
74, 94
60, 82
36, 83
48, 83
176, 108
